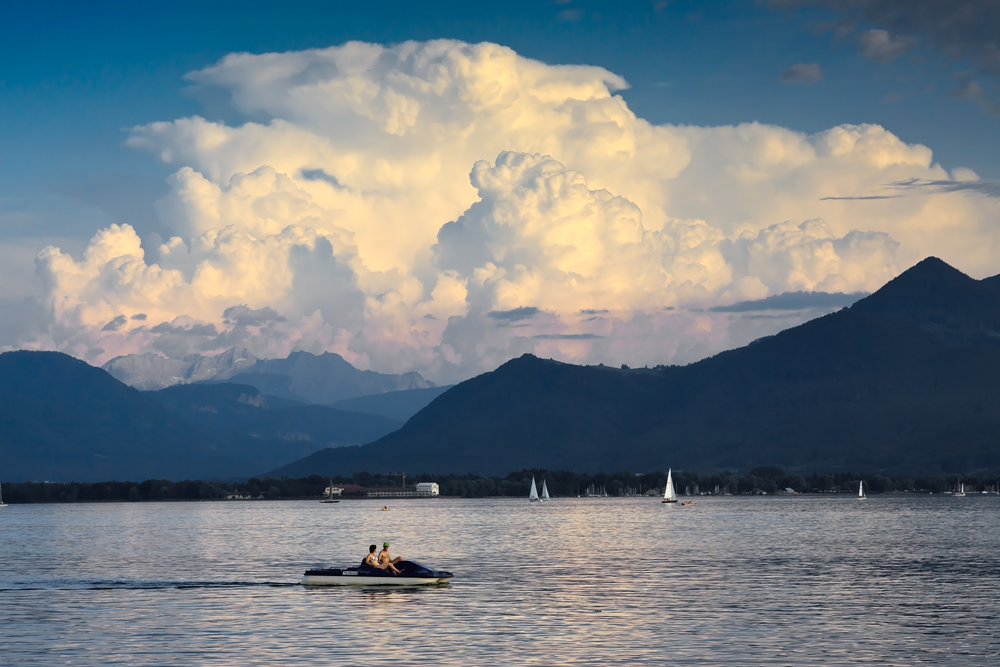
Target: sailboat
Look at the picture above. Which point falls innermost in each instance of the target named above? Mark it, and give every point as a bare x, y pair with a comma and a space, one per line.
669, 496
2, 503
329, 498
961, 490
545, 491
861, 491
533, 496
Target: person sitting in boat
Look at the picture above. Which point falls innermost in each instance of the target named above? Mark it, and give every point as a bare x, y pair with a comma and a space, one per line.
384, 557
371, 560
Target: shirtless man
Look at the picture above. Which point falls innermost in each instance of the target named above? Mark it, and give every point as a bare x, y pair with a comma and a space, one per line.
372, 561
384, 557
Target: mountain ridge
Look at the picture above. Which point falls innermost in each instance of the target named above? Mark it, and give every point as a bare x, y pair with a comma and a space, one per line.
901, 380
301, 376
62, 419
242, 412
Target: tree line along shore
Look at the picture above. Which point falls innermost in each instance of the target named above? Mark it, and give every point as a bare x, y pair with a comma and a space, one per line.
759, 481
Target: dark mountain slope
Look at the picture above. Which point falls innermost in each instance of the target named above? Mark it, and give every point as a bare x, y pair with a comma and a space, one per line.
399, 405
906, 379
940, 300
552, 414
63, 419
241, 412
846, 390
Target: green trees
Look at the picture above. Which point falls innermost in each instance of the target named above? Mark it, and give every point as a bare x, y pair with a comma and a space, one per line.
764, 480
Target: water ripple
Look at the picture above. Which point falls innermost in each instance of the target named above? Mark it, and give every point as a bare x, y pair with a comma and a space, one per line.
732, 581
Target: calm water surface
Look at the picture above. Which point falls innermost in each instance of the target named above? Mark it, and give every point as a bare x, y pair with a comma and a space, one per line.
741, 581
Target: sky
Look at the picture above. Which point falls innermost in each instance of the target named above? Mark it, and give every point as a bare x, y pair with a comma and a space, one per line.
443, 186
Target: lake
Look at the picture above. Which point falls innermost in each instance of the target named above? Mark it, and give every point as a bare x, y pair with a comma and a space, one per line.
804, 580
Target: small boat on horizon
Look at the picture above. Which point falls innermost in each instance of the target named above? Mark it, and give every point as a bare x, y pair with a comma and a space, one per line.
960, 493
545, 492
861, 490
669, 495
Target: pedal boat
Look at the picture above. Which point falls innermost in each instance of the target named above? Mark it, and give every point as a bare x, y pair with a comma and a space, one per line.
411, 573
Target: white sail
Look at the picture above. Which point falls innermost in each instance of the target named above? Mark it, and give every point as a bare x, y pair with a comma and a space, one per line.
545, 491
861, 489
533, 496
669, 496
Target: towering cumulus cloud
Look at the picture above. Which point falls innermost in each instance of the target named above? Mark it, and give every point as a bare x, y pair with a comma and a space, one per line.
443, 206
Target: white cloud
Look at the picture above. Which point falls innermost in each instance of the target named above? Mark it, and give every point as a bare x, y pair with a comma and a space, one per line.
347, 208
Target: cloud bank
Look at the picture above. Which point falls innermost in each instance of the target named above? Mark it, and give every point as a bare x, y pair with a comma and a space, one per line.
445, 206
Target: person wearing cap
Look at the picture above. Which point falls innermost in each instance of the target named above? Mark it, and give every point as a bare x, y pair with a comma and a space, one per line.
385, 558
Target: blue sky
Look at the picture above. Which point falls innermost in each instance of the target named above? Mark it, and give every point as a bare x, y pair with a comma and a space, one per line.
74, 75
75, 78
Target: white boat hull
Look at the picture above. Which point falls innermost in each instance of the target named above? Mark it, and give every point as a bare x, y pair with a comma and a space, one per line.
320, 580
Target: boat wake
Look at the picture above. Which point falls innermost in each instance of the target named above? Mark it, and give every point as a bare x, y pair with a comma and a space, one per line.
141, 585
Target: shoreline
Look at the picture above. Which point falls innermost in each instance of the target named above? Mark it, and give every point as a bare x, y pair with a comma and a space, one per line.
382, 501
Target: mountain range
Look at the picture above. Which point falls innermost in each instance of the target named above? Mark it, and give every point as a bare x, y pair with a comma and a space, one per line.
903, 380
241, 413
64, 420
303, 377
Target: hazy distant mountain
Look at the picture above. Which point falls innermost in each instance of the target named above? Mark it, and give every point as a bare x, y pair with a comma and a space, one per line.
302, 376
241, 412
399, 405
64, 420
150, 371
905, 379
323, 379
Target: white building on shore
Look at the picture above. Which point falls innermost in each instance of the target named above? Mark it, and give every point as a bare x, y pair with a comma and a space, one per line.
422, 490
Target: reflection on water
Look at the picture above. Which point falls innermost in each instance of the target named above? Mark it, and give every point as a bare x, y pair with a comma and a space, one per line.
796, 581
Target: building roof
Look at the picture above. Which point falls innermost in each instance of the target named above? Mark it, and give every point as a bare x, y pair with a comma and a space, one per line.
350, 488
